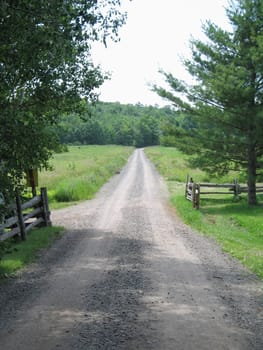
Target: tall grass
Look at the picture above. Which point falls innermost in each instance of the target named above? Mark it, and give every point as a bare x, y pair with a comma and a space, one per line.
78, 174
237, 227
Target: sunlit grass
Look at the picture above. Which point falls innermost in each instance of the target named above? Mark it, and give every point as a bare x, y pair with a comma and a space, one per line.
237, 227
172, 164
78, 174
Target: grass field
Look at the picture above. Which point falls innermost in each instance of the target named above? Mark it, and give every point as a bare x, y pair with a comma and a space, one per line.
236, 226
78, 174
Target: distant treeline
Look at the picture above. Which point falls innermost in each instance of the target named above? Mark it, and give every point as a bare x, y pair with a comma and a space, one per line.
115, 123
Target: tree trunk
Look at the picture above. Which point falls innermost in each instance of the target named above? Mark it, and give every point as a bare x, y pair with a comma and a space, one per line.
252, 164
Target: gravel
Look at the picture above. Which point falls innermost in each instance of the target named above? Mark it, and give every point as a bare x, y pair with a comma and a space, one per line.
128, 274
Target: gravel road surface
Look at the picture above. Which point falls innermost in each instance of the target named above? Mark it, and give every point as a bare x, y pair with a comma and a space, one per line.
128, 274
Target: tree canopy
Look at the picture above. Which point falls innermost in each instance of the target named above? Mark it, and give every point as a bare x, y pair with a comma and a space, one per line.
224, 123
46, 68
114, 123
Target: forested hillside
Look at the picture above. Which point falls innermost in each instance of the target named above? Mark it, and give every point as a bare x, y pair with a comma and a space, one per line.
115, 123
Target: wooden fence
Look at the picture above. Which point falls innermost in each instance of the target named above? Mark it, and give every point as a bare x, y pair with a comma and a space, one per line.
193, 191
22, 219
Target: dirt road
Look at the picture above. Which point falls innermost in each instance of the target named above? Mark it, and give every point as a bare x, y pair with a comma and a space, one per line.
129, 275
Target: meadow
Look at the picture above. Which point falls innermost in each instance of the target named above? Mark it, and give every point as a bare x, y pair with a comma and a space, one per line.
237, 227
78, 174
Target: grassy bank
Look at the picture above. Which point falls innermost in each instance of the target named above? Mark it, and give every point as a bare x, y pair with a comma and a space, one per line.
15, 254
236, 226
79, 173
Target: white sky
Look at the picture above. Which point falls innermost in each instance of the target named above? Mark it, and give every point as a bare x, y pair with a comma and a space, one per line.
156, 35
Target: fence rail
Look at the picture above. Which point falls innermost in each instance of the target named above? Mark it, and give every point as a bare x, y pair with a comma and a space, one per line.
193, 190
22, 220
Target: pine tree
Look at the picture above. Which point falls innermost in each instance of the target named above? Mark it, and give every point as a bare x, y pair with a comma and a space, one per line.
224, 105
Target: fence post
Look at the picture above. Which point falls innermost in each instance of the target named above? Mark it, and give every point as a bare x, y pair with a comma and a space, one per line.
186, 185
236, 188
193, 194
196, 195
20, 216
197, 198
46, 212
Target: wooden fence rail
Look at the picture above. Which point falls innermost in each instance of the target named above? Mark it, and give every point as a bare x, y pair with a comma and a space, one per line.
193, 190
22, 219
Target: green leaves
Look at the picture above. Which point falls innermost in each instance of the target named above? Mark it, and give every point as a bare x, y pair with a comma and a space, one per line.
114, 123
46, 68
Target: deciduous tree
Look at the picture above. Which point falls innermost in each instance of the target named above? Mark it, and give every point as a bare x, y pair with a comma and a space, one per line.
46, 68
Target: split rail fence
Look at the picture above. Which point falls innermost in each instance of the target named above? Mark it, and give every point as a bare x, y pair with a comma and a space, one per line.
25, 216
193, 190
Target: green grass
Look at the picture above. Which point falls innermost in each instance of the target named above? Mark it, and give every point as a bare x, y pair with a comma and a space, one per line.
237, 227
78, 174
172, 164
16, 254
